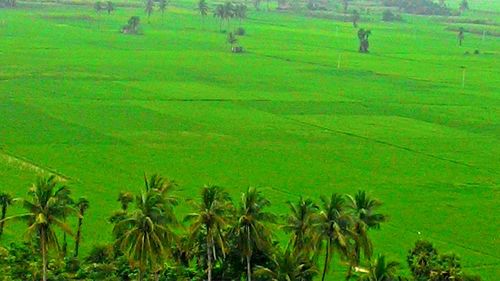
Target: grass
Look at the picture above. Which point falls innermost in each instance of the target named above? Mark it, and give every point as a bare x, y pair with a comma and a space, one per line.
101, 108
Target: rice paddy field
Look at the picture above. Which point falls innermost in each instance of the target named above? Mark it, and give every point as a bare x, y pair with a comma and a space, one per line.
416, 122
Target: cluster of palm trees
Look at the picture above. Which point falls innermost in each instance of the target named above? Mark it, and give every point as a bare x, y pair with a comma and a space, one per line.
219, 233
227, 11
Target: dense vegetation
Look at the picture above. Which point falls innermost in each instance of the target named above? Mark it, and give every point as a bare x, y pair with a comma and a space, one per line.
325, 96
220, 240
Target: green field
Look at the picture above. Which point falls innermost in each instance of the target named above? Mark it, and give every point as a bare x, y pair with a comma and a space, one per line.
101, 108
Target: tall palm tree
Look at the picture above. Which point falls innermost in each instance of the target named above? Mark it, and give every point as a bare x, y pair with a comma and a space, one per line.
220, 13
203, 9
125, 198
65, 199
300, 223
45, 214
5, 201
240, 12
289, 266
143, 240
82, 205
251, 229
162, 5
149, 8
464, 5
210, 220
379, 270
333, 227
365, 217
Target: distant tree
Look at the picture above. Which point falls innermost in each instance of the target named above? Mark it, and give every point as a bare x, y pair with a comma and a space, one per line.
461, 35
81, 205
380, 270
287, 266
256, 4
355, 18
219, 13
150, 4
300, 223
98, 6
442, 3
240, 12
5, 201
464, 5
229, 12
345, 4
388, 15
45, 213
110, 7
203, 9
210, 220
333, 228
363, 40
251, 230
162, 5
125, 197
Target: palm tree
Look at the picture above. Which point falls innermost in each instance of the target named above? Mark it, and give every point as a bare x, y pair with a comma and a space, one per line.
363, 40
143, 240
5, 201
289, 266
355, 18
251, 229
163, 6
333, 227
464, 5
231, 39
219, 12
365, 217
125, 198
203, 9
228, 12
65, 199
82, 205
110, 7
379, 270
210, 220
461, 36
45, 213
149, 8
300, 223
240, 11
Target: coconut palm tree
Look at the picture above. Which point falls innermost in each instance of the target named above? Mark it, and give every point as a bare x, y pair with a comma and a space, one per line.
210, 220
110, 7
251, 230
125, 198
379, 270
461, 36
5, 201
363, 209
219, 13
464, 5
355, 18
363, 40
333, 228
65, 199
203, 9
149, 8
240, 12
289, 266
300, 223
142, 240
45, 214
162, 5
229, 8
82, 205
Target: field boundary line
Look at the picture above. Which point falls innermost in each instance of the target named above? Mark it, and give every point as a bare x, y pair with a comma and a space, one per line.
24, 163
388, 144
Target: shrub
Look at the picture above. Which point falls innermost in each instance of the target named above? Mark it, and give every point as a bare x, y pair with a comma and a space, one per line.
390, 16
240, 31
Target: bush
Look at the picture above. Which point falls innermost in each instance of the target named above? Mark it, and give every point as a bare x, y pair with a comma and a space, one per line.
240, 31
390, 16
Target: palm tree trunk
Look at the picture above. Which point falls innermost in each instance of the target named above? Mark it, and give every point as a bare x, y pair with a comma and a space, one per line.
4, 212
249, 269
78, 235
44, 254
325, 266
209, 259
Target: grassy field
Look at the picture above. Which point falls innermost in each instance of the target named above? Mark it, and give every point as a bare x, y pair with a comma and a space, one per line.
100, 108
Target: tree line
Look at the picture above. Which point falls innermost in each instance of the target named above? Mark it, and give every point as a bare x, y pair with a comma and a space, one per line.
218, 239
